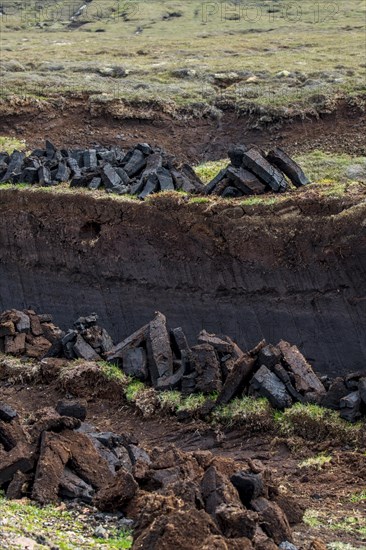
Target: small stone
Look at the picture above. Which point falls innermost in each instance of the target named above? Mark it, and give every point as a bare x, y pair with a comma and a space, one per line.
7, 413
23, 323
283, 74
287, 546
71, 408
356, 172
101, 533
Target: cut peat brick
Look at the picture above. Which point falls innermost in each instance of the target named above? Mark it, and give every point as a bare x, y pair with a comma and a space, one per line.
246, 181
258, 165
54, 455
159, 352
133, 341
288, 166
236, 379
207, 367
118, 493
20, 458
210, 187
305, 378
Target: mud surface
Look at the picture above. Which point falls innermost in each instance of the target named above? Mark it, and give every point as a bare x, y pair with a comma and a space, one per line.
76, 123
295, 270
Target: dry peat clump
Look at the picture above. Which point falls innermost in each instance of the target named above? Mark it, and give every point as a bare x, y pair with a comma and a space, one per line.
174, 498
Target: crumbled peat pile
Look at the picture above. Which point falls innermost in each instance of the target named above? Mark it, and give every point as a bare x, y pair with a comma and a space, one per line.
175, 499
24, 333
253, 172
141, 171
164, 359
144, 170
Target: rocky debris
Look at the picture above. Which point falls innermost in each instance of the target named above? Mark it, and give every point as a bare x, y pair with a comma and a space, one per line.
144, 170
162, 357
24, 333
140, 171
253, 172
222, 501
86, 340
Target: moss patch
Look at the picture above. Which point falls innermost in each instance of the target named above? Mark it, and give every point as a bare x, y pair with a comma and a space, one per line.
52, 526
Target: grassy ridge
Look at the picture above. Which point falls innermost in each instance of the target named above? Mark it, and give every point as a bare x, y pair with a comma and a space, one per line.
202, 56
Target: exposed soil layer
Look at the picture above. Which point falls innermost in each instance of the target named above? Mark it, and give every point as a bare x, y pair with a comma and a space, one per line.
77, 124
294, 270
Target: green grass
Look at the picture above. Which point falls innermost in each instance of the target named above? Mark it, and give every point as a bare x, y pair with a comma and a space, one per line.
174, 401
192, 402
255, 414
133, 388
208, 170
199, 200
316, 461
327, 167
9, 144
315, 423
359, 496
272, 64
57, 526
170, 400
352, 525
112, 372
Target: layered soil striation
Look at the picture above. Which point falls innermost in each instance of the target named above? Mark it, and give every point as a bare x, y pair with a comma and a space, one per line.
294, 270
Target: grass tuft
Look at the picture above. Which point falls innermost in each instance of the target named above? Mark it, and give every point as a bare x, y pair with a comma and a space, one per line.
359, 496
133, 388
315, 423
112, 372
256, 414
316, 461
58, 527
9, 144
208, 170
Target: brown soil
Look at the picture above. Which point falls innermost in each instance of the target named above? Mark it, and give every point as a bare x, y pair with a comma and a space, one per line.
326, 490
73, 124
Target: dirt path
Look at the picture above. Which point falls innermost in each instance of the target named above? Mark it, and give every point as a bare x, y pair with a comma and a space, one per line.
329, 491
71, 125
